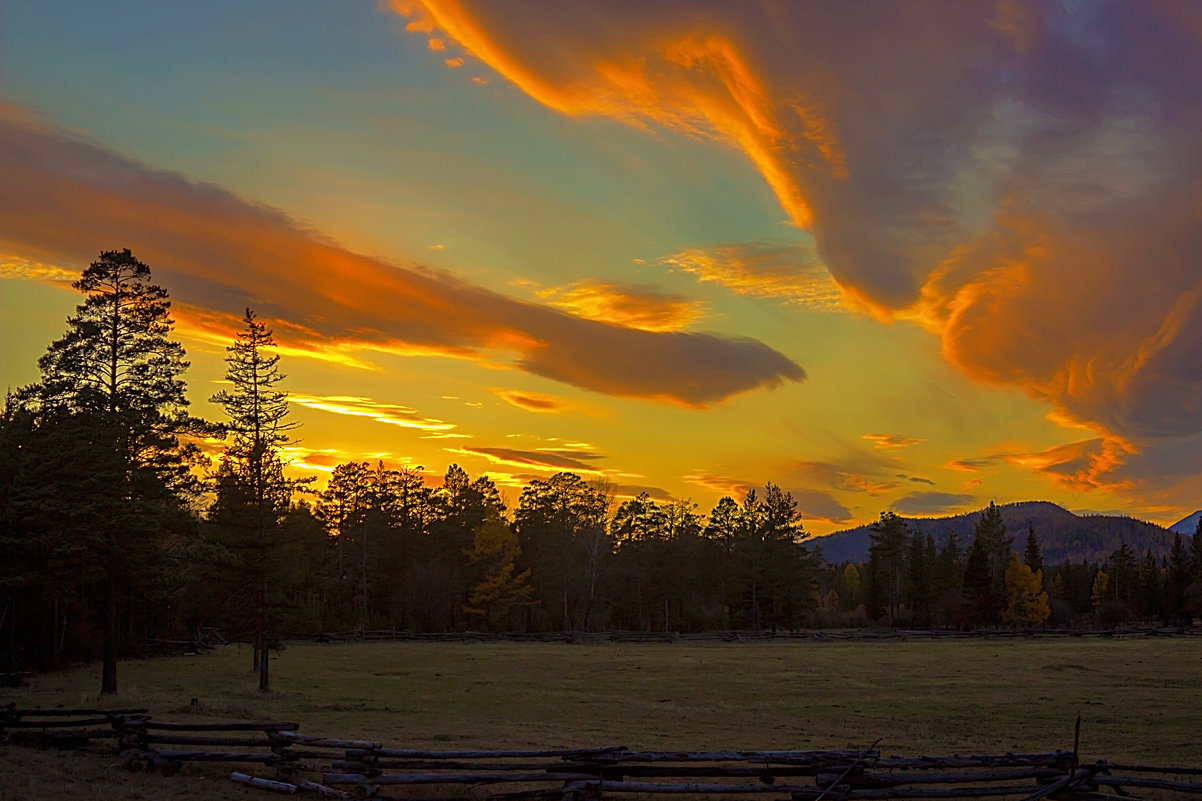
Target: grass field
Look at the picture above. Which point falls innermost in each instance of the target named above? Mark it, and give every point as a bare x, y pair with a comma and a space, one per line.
1139, 699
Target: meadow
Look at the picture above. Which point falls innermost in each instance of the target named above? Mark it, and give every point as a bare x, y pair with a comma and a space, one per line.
1139, 700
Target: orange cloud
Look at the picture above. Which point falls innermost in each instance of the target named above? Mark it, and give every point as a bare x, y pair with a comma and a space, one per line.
891, 440
791, 273
549, 461
66, 198
530, 401
633, 305
1085, 465
1047, 231
392, 414
699, 80
840, 479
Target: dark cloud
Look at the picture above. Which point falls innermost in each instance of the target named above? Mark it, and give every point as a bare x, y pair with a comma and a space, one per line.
65, 199
921, 504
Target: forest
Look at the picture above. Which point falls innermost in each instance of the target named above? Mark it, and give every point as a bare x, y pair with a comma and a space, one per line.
119, 531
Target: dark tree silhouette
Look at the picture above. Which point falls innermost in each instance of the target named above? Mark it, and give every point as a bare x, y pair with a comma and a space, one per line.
253, 492
117, 374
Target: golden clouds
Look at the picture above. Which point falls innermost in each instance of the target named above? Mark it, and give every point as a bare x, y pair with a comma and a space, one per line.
650, 68
1021, 178
392, 414
789, 273
530, 401
216, 252
891, 440
633, 305
17, 267
541, 460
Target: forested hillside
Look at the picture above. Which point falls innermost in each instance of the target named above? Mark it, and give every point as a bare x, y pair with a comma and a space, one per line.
1063, 536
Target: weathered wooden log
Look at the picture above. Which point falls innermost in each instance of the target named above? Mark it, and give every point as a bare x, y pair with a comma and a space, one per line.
605, 785
717, 771
1052, 759
1150, 783
332, 742
303, 752
55, 724
431, 765
1118, 766
811, 794
875, 779
263, 784
55, 738
321, 789
405, 753
70, 713
782, 757
452, 778
185, 739
219, 756
265, 725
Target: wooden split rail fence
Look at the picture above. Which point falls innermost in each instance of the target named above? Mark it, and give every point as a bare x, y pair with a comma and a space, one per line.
358, 769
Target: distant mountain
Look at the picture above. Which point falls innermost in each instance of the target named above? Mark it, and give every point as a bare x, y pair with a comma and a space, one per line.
1187, 525
1062, 535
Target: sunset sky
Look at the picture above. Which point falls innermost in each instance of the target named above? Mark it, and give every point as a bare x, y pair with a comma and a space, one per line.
888, 255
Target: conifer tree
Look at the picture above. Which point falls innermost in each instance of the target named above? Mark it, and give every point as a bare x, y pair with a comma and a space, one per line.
116, 378
253, 492
887, 565
1032, 557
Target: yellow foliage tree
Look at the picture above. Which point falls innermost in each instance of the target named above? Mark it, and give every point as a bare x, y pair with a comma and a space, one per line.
1026, 599
500, 586
1101, 583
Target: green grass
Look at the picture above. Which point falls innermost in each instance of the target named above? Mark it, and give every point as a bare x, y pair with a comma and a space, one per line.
1139, 699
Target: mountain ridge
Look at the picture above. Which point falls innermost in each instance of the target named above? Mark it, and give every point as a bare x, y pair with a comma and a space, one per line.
1062, 535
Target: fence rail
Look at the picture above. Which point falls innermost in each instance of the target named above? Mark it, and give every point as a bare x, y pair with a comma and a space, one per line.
344, 768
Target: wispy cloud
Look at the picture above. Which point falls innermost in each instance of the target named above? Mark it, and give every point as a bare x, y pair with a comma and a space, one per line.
533, 460
813, 504
1084, 465
530, 401
215, 251
17, 267
891, 440
842, 479
634, 305
790, 273
392, 414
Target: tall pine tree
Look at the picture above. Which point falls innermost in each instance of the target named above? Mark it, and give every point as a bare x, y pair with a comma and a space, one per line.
253, 494
115, 380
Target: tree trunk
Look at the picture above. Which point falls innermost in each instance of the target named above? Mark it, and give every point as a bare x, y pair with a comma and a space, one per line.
108, 676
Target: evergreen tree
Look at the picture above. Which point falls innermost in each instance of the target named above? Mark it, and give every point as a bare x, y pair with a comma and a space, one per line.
1032, 558
253, 494
1177, 582
887, 566
978, 585
989, 558
116, 378
920, 585
1124, 576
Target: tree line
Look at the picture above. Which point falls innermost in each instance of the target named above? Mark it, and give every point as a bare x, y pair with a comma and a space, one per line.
116, 531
